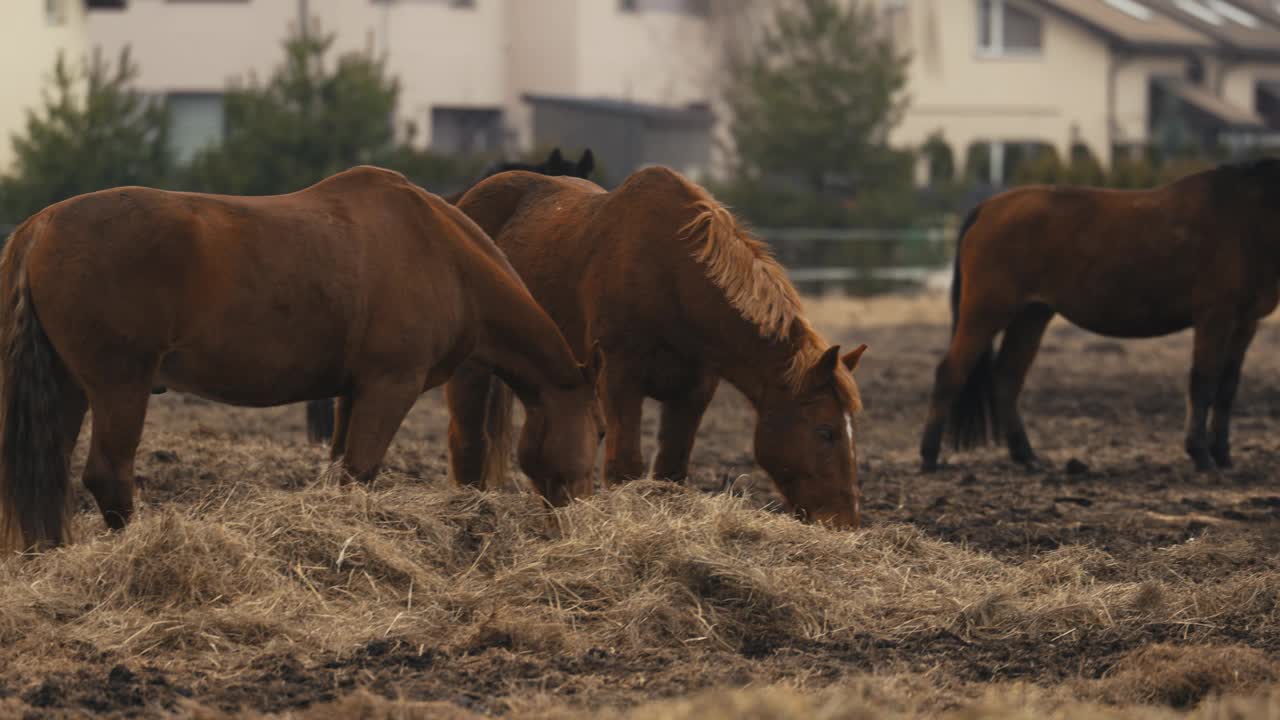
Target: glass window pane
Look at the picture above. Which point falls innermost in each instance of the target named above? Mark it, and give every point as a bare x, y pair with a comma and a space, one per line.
195, 123
984, 24
1021, 29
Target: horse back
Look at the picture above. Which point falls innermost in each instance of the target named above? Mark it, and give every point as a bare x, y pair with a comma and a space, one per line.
295, 292
1127, 263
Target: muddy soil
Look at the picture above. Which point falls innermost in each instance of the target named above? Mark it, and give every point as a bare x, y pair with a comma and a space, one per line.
1104, 416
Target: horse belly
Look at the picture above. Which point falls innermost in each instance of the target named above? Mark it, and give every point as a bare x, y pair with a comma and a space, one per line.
1115, 315
254, 374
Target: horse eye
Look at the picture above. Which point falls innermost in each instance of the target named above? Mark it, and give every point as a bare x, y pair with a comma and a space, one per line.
826, 433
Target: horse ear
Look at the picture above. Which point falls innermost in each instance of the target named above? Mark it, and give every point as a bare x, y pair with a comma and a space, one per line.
586, 163
825, 368
851, 358
556, 159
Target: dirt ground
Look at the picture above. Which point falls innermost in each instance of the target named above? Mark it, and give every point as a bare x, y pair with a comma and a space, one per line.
1115, 577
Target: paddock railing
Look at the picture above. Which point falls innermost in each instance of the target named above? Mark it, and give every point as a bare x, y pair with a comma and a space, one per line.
853, 261
861, 261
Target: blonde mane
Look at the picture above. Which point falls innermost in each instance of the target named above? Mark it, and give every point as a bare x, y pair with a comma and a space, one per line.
756, 285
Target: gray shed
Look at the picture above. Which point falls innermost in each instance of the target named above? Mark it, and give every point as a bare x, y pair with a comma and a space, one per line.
626, 136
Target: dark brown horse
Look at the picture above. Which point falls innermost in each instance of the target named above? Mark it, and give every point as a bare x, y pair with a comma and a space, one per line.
362, 286
1197, 253
320, 413
678, 295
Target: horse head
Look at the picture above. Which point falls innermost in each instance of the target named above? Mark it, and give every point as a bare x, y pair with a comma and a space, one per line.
805, 441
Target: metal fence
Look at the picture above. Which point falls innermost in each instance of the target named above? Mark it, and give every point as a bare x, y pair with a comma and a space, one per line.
855, 261
860, 261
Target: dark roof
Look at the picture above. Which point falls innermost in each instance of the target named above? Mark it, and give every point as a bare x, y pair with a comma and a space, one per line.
1156, 32
1257, 36
1265, 9
693, 115
1227, 114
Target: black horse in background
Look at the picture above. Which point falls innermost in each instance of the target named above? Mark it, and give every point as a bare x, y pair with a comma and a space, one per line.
320, 413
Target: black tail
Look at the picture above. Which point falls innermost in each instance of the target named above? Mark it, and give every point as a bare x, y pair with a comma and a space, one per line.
35, 485
973, 418
320, 420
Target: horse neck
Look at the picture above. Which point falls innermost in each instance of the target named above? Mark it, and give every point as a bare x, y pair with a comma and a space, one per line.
521, 342
762, 368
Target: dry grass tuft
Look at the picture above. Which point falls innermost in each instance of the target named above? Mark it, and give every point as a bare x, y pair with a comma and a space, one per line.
209, 586
864, 698
1182, 676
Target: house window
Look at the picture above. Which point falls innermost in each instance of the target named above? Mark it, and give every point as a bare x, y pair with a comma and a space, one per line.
106, 4
463, 4
55, 12
466, 130
1005, 28
196, 122
696, 8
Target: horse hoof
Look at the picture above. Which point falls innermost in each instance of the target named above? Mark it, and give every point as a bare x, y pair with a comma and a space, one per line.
1202, 462
1030, 463
928, 466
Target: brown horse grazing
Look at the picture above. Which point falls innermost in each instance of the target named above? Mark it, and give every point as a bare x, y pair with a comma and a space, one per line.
677, 295
320, 413
362, 286
1198, 253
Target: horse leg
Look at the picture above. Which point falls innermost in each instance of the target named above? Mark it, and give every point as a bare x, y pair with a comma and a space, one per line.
1213, 335
678, 426
467, 395
623, 403
1017, 351
1228, 383
74, 406
378, 407
118, 416
320, 419
972, 338
341, 421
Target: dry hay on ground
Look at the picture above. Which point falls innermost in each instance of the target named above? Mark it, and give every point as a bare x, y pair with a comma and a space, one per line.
202, 598
1129, 588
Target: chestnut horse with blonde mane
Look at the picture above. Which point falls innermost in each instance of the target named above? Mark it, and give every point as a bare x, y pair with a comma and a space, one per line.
677, 295
362, 286
1199, 253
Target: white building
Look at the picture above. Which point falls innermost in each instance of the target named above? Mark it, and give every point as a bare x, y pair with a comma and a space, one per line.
464, 65
32, 33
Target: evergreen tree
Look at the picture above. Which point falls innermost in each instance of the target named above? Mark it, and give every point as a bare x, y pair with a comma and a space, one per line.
813, 103
95, 130
311, 119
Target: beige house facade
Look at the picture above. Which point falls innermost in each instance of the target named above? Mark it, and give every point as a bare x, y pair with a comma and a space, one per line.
32, 34
986, 76
464, 65
1105, 74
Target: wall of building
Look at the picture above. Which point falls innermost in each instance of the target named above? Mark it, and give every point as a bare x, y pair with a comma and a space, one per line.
1132, 94
430, 45
1238, 83
484, 56
1058, 96
30, 41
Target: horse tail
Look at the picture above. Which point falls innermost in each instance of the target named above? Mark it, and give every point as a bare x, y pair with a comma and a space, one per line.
497, 435
35, 483
973, 414
320, 420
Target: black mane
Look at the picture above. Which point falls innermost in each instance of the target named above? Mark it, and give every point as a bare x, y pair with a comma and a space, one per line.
1256, 177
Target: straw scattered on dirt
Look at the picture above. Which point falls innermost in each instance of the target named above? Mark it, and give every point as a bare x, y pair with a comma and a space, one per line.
249, 586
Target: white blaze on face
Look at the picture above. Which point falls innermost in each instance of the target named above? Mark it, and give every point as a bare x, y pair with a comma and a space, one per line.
853, 459
848, 430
